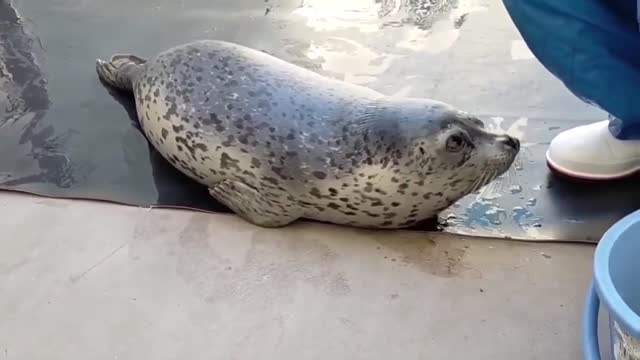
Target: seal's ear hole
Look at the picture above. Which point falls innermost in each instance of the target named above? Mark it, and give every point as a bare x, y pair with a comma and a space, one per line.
455, 142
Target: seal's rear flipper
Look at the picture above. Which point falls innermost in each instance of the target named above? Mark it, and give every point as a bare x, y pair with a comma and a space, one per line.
120, 71
254, 207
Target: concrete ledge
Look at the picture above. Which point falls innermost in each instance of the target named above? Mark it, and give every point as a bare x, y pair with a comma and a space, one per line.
85, 280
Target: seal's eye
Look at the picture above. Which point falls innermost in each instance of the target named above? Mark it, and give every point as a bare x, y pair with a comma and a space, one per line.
455, 143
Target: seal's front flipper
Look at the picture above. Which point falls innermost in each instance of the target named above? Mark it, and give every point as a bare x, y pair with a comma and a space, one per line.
120, 71
252, 206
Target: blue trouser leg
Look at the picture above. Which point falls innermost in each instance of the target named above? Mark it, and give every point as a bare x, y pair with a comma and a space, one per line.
593, 47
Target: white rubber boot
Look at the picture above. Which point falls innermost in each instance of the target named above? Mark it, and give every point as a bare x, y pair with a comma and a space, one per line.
591, 152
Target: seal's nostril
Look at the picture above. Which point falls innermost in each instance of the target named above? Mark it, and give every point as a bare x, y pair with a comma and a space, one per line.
516, 143
511, 141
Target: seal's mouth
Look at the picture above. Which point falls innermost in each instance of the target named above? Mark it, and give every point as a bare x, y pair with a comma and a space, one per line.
506, 148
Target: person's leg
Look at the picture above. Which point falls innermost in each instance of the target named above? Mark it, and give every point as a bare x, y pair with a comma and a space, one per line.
593, 47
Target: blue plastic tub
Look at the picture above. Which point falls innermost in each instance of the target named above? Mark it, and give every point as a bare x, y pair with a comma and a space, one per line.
616, 283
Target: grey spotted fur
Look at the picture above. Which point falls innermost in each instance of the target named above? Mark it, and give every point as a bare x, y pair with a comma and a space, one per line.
276, 142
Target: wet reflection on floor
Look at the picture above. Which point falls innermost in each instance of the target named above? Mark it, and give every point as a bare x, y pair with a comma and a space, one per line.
63, 134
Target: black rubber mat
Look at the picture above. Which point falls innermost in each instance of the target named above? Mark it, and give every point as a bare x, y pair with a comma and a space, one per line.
63, 134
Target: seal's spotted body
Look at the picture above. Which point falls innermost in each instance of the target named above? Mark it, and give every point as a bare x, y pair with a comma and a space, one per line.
275, 142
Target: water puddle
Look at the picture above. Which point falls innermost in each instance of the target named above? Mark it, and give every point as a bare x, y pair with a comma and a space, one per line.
357, 63
331, 15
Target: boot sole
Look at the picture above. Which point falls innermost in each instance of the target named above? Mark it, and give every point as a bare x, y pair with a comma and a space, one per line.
589, 177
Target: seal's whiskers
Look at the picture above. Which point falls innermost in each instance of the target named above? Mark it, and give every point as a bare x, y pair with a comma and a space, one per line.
482, 180
489, 177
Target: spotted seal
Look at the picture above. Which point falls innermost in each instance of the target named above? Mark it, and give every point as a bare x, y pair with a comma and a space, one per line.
276, 142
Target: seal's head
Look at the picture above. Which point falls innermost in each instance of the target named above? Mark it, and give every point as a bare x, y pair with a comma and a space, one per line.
450, 149
469, 155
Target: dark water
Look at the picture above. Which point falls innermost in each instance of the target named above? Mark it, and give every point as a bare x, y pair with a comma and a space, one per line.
64, 134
